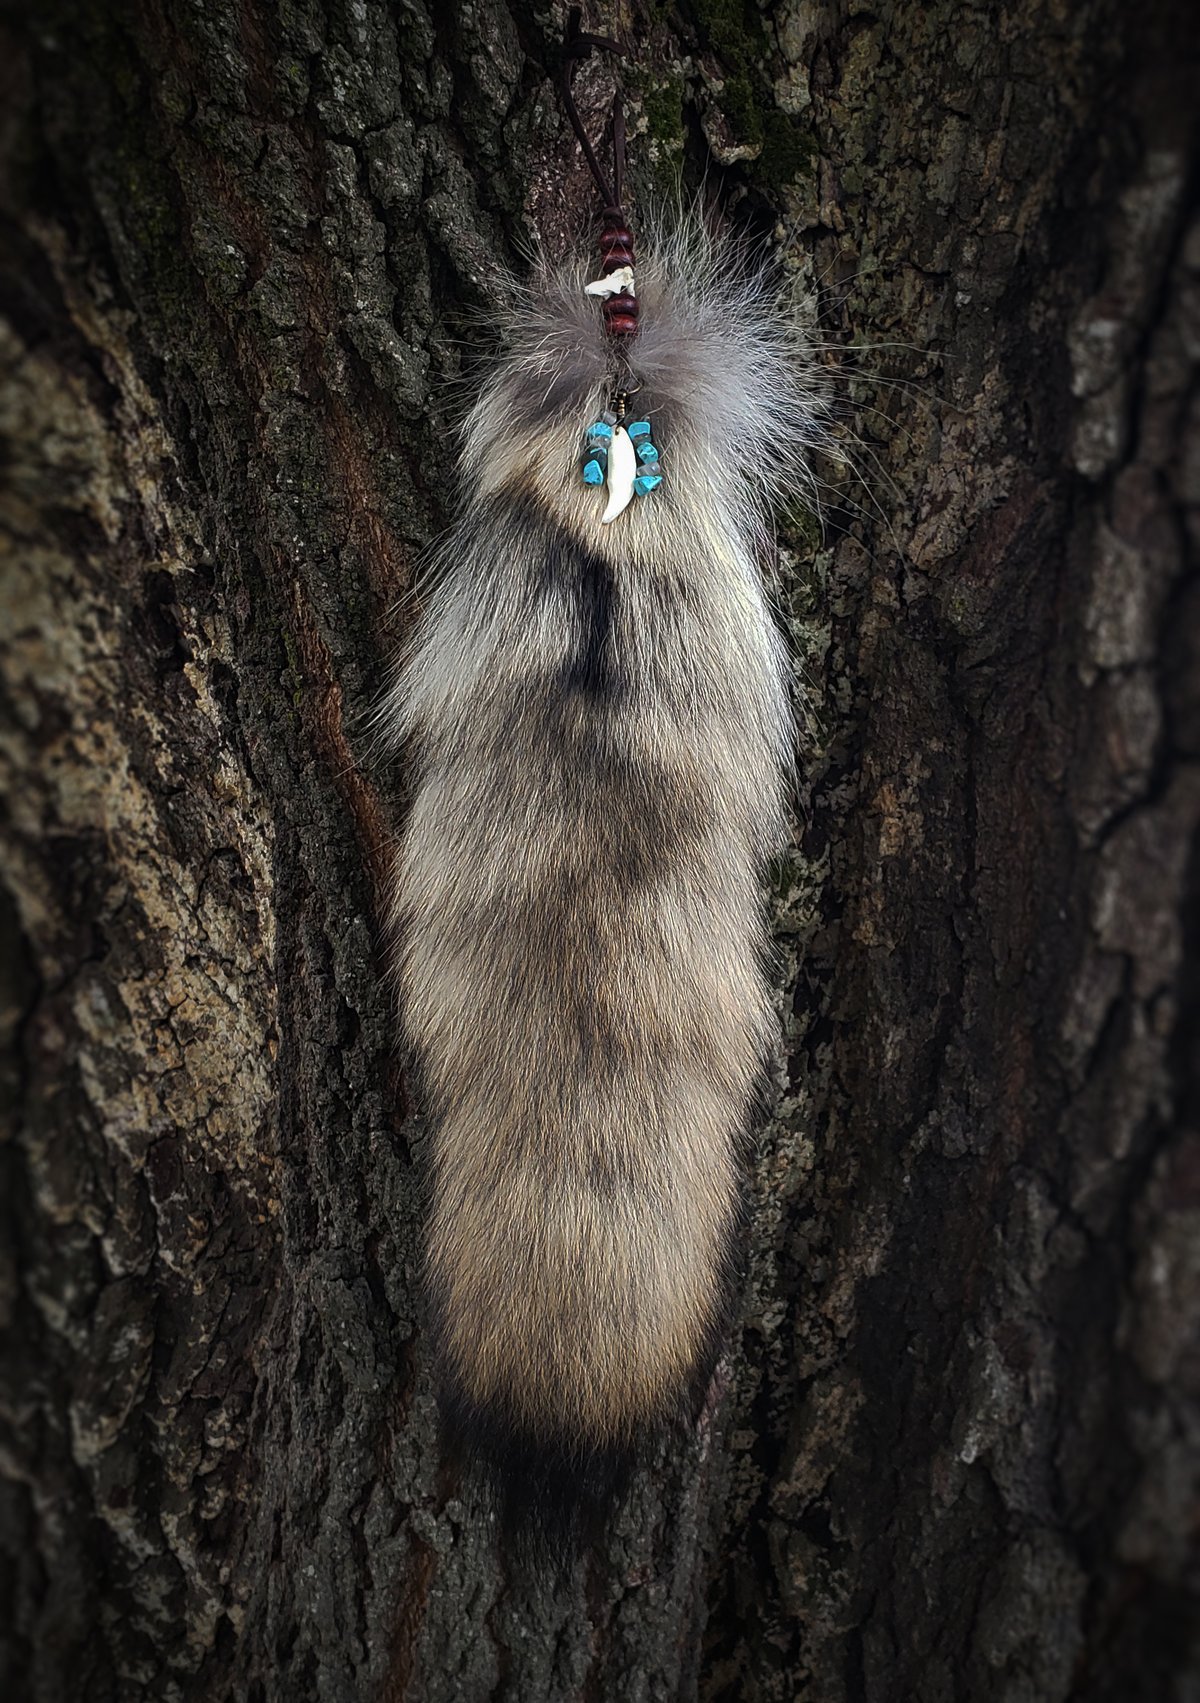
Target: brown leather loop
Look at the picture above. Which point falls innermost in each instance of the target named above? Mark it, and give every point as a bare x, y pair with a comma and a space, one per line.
616, 239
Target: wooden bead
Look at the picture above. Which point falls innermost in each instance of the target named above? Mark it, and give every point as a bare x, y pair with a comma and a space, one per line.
616, 250
616, 239
621, 315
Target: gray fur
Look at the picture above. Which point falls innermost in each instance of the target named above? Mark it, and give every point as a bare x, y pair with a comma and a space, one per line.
600, 722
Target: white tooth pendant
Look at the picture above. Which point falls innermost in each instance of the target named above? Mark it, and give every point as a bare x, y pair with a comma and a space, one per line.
622, 471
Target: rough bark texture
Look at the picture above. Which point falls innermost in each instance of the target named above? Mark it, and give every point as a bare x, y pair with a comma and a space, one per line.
957, 1456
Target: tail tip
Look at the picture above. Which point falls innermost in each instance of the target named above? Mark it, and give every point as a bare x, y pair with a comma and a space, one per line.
554, 1494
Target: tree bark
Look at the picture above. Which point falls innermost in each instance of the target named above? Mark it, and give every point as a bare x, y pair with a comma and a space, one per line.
957, 1455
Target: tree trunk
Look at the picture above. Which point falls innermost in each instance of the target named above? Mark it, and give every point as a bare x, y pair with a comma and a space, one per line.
957, 1456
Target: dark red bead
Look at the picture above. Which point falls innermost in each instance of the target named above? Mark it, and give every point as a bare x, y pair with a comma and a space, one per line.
616, 251
621, 315
616, 242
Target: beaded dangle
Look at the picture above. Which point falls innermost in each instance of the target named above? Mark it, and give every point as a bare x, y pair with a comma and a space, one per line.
622, 456
649, 473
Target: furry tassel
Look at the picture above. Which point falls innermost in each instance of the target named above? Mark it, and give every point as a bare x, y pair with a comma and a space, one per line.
599, 718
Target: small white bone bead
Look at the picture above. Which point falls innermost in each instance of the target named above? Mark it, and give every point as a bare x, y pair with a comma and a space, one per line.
621, 279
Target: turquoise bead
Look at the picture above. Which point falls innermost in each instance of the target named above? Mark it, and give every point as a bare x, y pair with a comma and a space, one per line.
638, 429
647, 482
600, 430
593, 473
647, 452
